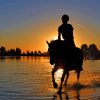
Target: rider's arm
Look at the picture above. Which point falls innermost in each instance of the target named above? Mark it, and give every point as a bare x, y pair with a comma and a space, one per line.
59, 36
59, 33
71, 31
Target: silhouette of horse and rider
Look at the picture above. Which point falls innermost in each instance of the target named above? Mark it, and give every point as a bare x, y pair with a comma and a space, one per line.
64, 54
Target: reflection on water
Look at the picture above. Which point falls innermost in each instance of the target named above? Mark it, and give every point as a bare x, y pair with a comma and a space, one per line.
29, 78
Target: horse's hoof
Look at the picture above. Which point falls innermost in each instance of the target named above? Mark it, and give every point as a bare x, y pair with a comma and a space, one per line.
55, 85
59, 92
65, 84
78, 70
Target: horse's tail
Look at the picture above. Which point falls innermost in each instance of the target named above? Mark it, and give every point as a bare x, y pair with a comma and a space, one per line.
79, 59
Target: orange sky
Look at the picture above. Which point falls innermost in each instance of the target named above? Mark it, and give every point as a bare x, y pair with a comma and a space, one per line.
33, 37
29, 24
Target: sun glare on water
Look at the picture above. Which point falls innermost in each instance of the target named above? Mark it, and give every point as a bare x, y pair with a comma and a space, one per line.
59, 73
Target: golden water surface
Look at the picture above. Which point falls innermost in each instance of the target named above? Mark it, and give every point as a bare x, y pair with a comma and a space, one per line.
29, 78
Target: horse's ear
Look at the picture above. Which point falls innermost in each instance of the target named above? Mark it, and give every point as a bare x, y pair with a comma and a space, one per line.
47, 43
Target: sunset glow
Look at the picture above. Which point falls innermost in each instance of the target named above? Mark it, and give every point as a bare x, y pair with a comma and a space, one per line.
49, 49
28, 24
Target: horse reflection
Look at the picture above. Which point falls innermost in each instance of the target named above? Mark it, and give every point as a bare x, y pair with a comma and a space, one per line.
67, 59
66, 96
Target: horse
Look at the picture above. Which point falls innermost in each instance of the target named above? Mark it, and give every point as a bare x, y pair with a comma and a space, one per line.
64, 58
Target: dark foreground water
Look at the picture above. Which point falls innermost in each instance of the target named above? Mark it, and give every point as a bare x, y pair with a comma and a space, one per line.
30, 79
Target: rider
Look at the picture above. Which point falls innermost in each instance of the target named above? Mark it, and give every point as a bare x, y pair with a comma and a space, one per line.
66, 30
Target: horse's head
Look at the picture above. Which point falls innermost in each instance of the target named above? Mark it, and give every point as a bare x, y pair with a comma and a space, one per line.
51, 52
56, 50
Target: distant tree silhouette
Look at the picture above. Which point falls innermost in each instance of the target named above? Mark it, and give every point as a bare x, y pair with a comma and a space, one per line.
18, 51
31, 53
12, 52
89, 52
35, 53
2, 51
8, 53
28, 53
93, 51
85, 50
39, 52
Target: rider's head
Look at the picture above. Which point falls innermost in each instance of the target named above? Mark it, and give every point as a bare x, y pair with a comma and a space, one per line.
65, 18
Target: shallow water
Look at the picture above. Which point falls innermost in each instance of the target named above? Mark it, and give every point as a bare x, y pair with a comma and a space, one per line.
29, 78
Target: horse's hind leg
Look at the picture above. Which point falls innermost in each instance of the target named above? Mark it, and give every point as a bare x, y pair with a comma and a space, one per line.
65, 83
53, 79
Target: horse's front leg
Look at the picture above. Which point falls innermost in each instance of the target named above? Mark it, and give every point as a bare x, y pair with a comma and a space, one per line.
62, 79
78, 75
65, 83
53, 79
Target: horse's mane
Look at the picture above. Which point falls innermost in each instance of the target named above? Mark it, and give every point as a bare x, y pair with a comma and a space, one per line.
58, 48
57, 43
